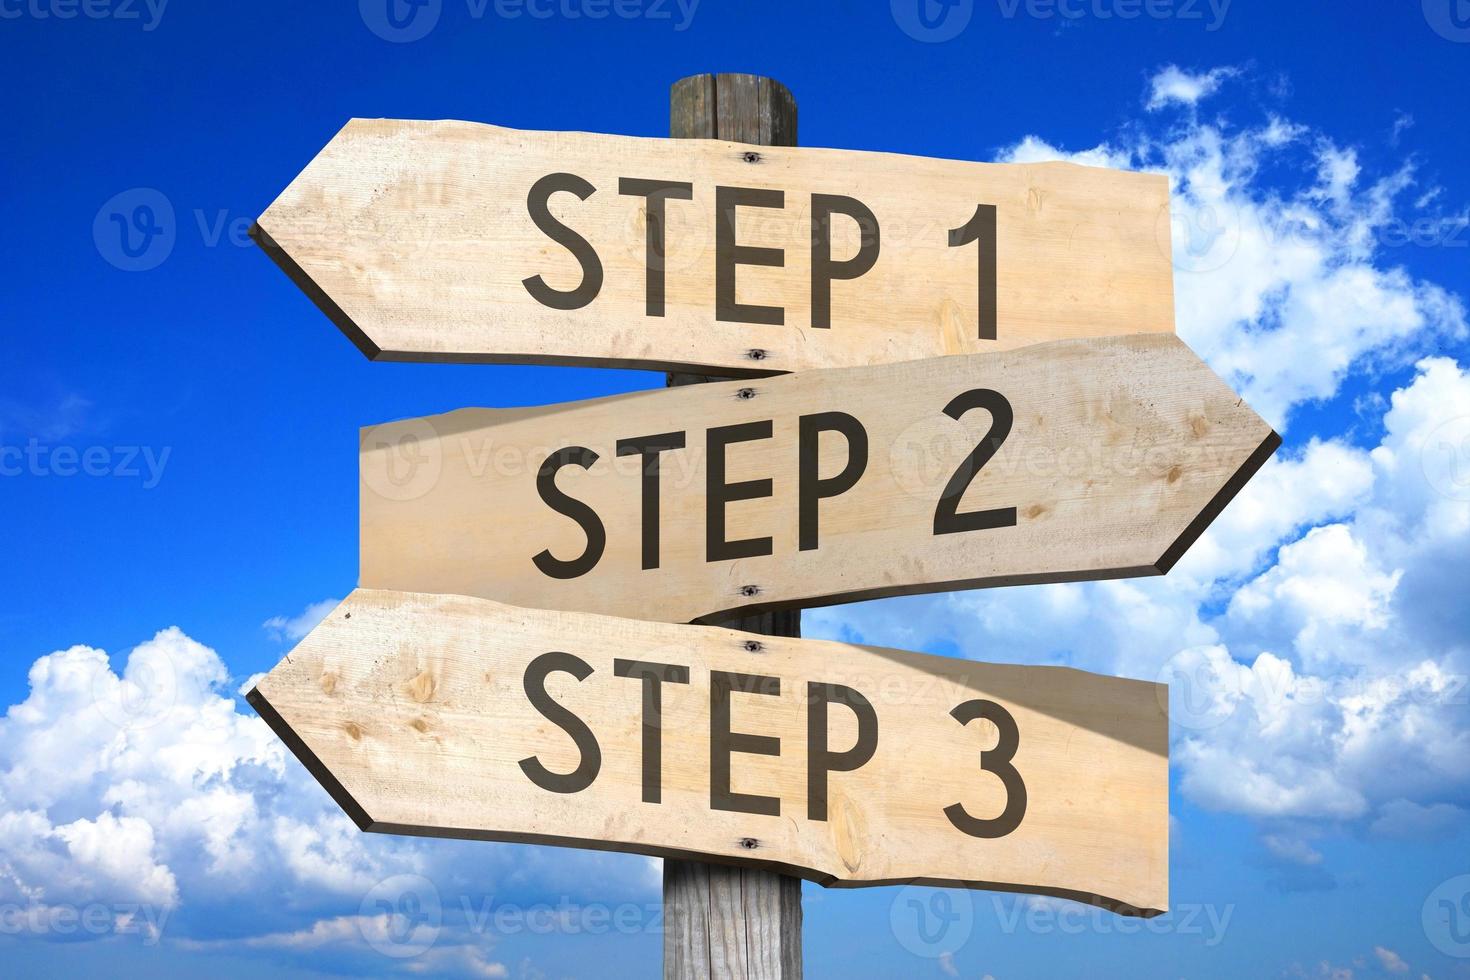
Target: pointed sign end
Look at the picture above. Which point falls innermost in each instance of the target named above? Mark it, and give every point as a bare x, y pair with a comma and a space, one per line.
308, 758
1227, 493
315, 293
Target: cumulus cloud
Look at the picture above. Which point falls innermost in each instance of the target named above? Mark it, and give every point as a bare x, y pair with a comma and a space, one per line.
150, 794
1284, 290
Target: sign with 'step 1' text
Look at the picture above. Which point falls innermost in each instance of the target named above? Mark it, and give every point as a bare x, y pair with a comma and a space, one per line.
454, 241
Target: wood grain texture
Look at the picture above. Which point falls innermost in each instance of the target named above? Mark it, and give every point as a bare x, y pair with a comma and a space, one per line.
1122, 450
718, 920
415, 239
728, 921
412, 710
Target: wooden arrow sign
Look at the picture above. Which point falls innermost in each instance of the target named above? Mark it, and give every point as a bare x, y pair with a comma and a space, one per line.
457, 717
1078, 459
453, 241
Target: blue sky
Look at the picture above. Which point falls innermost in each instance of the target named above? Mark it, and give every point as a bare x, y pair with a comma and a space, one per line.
1320, 779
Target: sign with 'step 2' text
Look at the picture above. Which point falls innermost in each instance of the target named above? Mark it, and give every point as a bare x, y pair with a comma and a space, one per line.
1078, 459
454, 241
460, 717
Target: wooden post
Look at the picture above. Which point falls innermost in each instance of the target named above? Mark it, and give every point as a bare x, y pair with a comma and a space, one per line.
722, 921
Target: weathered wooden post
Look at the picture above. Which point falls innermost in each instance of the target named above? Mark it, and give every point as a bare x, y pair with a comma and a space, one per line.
722, 921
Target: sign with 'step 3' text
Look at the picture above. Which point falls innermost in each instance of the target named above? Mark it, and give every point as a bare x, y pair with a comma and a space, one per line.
454, 241
1078, 459
460, 717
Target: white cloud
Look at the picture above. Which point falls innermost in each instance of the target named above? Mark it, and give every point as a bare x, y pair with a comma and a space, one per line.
1283, 292
1326, 593
151, 791
1390, 960
1291, 848
1175, 86
294, 628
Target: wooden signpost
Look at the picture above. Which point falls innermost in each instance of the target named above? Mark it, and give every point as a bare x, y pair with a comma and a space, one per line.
733, 919
457, 717
1080, 459
984, 389
455, 241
